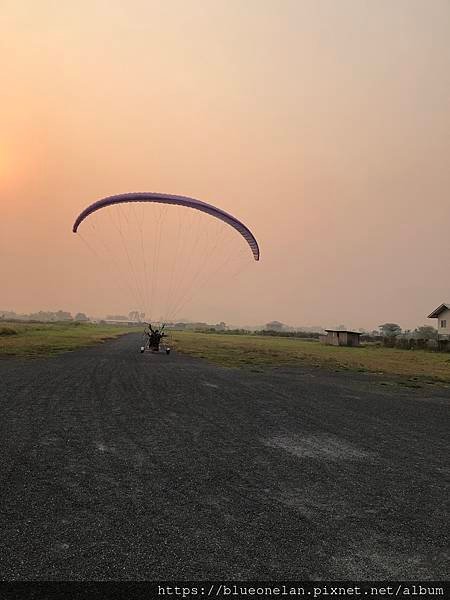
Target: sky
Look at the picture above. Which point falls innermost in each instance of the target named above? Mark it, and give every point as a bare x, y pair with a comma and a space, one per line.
324, 126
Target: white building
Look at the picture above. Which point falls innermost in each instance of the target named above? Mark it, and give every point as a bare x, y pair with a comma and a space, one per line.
442, 314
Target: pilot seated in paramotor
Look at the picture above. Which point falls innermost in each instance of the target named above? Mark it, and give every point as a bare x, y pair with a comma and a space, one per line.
155, 337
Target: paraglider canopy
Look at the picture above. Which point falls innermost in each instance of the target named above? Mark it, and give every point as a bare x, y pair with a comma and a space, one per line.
173, 199
161, 254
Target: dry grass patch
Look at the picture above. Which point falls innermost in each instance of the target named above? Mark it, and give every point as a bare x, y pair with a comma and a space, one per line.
45, 339
259, 351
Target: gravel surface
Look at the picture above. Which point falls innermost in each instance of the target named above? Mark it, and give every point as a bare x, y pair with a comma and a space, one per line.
117, 465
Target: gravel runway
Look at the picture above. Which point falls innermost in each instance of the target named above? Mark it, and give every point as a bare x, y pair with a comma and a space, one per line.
122, 466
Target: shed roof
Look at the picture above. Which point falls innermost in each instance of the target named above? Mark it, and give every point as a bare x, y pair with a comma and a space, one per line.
343, 331
436, 312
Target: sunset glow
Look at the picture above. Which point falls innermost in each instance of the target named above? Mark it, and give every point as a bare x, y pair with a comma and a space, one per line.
323, 125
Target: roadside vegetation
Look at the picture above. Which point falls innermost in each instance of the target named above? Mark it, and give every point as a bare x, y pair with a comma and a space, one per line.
46, 339
256, 352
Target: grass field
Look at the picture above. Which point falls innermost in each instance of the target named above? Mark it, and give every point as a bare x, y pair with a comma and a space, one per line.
258, 352
248, 351
45, 339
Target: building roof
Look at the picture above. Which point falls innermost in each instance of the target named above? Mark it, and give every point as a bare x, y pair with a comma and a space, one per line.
343, 331
439, 309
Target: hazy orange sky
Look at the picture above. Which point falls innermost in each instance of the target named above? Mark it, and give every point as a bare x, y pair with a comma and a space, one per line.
323, 125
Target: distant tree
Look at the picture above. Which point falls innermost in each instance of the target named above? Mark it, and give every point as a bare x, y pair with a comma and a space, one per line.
134, 315
200, 326
275, 326
311, 329
62, 315
41, 316
341, 327
81, 317
425, 332
390, 329
8, 314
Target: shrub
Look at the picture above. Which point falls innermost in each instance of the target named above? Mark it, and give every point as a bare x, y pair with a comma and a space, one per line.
290, 334
8, 331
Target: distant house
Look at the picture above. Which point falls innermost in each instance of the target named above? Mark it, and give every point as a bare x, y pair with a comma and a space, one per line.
340, 337
124, 322
442, 314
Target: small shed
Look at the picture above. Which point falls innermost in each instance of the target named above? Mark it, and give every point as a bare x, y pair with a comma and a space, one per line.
339, 337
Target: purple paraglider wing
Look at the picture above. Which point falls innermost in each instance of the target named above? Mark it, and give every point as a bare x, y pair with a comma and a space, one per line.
172, 199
